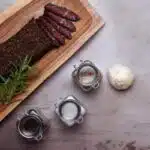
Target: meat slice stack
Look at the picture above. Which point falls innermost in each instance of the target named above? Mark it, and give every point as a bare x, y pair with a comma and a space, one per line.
57, 22
38, 37
62, 12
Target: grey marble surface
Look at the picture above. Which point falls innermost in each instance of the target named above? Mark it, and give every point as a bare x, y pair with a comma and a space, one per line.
111, 115
4, 4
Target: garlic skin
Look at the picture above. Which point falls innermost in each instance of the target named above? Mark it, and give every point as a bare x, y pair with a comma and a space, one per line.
120, 77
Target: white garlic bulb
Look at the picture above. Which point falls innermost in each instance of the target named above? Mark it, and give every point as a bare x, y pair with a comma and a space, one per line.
120, 77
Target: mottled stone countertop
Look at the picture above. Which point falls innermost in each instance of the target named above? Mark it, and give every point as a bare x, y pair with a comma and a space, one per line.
114, 118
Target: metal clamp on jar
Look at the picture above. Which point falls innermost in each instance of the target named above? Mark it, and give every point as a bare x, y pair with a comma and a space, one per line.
87, 76
70, 111
32, 124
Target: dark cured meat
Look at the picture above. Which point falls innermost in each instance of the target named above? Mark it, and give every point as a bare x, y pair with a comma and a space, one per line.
62, 11
60, 38
45, 30
60, 29
63, 22
29, 41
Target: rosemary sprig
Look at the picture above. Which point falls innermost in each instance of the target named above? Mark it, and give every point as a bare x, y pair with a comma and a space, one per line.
16, 82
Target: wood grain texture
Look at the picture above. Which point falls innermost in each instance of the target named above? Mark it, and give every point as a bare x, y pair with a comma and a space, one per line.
89, 24
13, 9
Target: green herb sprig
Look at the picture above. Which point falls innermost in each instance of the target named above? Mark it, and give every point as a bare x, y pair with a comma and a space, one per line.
16, 82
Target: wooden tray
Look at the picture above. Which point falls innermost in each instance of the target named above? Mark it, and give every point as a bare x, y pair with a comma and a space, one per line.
20, 13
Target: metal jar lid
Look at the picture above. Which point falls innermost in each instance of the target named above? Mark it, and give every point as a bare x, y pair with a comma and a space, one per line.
87, 76
32, 125
70, 111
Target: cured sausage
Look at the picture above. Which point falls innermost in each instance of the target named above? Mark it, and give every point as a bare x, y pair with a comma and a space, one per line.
60, 38
29, 41
62, 11
60, 29
52, 39
61, 21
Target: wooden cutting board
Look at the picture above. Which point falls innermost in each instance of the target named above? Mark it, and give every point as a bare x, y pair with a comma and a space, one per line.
13, 19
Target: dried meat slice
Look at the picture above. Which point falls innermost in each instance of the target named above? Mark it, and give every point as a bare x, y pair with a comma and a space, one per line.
61, 21
52, 39
63, 12
60, 29
60, 38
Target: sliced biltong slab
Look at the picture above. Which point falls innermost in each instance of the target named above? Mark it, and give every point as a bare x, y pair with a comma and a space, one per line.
60, 29
61, 21
29, 41
62, 11
60, 38
52, 39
